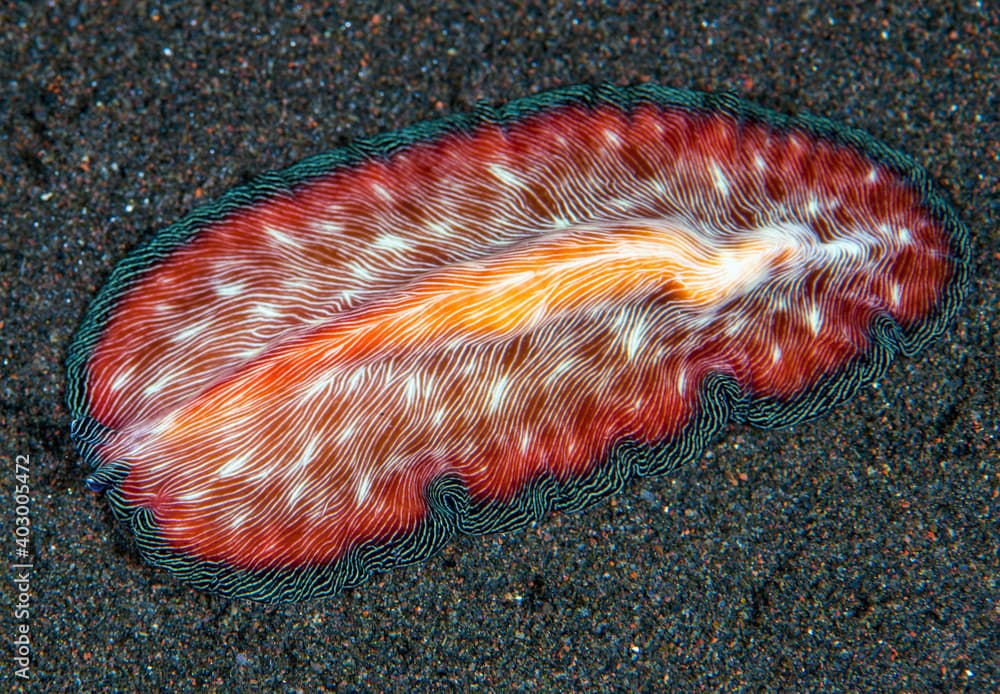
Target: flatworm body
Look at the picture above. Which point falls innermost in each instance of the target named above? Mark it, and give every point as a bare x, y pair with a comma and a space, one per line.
463, 325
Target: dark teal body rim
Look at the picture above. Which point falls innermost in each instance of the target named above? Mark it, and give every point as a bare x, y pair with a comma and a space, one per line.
451, 510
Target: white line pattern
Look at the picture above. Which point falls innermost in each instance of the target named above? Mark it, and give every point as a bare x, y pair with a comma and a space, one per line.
288, 383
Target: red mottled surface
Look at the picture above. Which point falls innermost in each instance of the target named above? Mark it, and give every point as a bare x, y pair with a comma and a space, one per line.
496, 305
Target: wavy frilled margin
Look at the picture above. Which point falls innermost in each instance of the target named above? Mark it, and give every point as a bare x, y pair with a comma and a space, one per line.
451, 507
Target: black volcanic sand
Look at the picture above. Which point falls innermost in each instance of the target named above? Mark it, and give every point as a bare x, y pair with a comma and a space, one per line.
858, 552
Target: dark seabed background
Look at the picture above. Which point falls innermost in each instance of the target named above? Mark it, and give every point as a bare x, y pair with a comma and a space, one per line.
858, 552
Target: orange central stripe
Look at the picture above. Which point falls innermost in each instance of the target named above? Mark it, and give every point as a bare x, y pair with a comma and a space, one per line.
499, 297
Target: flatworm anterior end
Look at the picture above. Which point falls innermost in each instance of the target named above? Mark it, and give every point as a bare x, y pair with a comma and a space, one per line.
467, 324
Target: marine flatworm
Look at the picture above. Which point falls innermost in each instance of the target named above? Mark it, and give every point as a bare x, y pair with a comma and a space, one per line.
464, 325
